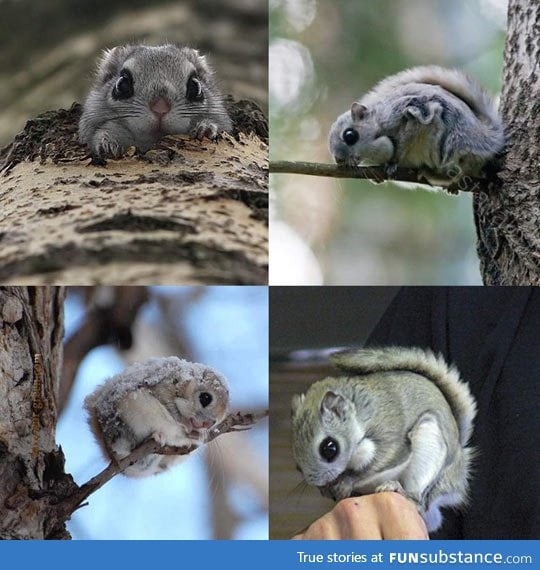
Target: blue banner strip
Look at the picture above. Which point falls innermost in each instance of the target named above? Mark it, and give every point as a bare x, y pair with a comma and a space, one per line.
280, 555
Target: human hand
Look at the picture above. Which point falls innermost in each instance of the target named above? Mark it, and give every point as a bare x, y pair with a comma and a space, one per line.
381, 516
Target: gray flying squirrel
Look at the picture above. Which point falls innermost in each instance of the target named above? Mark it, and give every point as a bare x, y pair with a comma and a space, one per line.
438, 120
171, 400
142, 93
398, 419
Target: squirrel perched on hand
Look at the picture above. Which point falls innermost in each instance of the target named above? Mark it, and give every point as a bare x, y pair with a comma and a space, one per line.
438, 120
397, 419
142, 93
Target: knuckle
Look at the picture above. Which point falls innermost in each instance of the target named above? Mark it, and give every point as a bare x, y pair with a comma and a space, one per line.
394, 502
347, 509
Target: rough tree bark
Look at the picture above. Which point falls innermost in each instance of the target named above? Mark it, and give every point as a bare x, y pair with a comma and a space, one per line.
186, 212
508, 219
31, 465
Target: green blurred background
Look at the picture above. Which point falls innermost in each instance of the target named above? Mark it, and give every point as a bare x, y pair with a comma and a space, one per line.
324, 54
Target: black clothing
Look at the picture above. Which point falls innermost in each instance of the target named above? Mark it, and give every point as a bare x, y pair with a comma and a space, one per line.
493, 336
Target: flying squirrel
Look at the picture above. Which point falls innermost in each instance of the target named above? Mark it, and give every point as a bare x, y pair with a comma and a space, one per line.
142, 93
396, 419
173, 401
440, 121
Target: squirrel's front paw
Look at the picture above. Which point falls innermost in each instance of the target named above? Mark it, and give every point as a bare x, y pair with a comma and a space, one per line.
375, 175
205, 129
391, 486
160, 437
390, 169
395, 487
103, 145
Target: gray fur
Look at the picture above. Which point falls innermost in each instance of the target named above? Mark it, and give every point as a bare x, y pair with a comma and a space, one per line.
435, 119
419, 361
402, 424
157, 398
109, 126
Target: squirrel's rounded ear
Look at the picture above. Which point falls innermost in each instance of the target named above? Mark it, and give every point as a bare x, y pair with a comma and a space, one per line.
199, 61
110, 63
297, 401
333, 403
358, 111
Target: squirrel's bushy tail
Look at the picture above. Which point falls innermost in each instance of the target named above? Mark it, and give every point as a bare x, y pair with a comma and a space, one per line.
452, 80
419, 361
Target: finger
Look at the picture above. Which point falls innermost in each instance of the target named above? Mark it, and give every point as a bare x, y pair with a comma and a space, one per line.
399, 518
357, 519
328, 527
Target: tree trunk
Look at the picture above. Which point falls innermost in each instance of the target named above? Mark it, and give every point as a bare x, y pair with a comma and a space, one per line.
186, 212
31, 466
508, 219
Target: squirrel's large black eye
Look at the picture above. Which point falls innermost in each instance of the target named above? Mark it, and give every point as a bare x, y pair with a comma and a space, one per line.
205, 399
350, 136
123, 88
194, 90
329, 449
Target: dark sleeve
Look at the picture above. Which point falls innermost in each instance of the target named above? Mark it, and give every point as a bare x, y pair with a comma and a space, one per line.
407, 321
492, 337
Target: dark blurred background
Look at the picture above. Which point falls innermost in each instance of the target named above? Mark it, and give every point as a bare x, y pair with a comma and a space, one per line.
323, 56
48, 49
322, 317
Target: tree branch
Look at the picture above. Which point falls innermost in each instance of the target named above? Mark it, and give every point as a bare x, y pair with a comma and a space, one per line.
232, 423
377, 174
181, 233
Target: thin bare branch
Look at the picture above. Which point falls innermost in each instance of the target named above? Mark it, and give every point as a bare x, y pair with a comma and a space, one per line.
236, 422
232, 423
376, 174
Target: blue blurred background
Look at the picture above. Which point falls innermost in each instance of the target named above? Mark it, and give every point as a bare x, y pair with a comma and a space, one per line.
216, 493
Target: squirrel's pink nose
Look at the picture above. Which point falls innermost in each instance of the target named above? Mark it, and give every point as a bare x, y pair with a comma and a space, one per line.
160, 106
203, 424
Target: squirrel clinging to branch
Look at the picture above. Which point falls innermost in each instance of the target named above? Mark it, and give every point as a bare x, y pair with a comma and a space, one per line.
173, 401
430, 118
